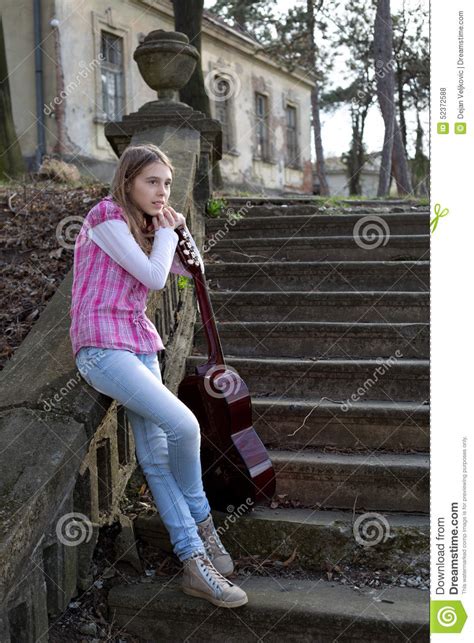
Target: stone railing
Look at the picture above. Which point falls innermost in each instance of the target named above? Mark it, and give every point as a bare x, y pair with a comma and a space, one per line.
67, 451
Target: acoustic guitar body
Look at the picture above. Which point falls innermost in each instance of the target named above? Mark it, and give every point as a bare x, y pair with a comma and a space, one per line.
236, 469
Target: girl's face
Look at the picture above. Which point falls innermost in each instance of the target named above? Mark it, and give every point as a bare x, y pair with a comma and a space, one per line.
150, 190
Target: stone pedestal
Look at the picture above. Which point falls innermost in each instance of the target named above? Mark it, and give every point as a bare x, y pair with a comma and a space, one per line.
166, 61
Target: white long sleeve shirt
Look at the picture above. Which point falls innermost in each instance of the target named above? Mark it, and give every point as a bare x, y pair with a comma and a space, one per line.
114, 238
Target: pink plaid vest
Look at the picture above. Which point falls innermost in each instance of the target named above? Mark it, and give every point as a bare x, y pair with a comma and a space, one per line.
108, 303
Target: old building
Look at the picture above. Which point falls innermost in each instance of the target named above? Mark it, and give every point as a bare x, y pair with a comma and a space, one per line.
71, 69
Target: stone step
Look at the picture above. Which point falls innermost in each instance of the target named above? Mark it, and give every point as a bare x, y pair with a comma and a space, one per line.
363, 426
389, 248
343, 380
291, 199
318, 339
316, 225
367, 482
277, 609
399, 542
320, 275
346, 305
304, 208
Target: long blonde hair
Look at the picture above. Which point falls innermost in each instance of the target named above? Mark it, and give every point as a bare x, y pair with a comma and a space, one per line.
133, 160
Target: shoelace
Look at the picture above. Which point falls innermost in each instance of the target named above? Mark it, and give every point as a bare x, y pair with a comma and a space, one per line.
211, 573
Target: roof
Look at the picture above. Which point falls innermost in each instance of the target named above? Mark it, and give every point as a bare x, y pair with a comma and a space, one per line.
235, 29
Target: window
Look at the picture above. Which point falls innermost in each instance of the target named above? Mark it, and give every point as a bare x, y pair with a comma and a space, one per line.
223, 112
262, 136
112, 74
291, 137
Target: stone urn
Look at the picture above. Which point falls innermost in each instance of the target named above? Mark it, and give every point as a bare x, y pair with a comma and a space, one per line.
166, 61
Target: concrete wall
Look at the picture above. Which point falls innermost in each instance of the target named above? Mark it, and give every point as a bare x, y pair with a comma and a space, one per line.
339, 184
79, 41
18, 28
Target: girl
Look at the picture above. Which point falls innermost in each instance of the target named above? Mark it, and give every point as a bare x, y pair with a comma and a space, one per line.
115, 346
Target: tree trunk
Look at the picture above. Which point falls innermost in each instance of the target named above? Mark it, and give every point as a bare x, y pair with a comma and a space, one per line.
318, 143
400, 170
401, 107
188, 20
393, 152
385, 88
357, 155
11, 159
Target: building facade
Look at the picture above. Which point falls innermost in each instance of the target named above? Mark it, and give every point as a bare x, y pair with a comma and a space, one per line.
86, 75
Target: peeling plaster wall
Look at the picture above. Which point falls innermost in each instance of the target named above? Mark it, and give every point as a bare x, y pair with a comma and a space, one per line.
79, 35
252, 75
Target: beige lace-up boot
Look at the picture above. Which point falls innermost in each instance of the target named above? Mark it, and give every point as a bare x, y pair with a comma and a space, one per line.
216, 552
201, 579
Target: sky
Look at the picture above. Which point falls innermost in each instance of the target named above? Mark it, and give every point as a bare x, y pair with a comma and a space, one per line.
336, 126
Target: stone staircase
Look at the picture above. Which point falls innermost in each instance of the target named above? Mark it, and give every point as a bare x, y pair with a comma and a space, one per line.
330, 332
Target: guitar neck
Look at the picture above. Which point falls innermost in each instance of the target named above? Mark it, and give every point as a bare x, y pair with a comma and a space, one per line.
214, 348
188, 256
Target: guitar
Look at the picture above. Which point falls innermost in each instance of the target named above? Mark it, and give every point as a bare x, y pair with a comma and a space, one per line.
237, 471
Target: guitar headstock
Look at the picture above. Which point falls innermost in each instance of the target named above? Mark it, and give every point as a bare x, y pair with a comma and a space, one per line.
186, 251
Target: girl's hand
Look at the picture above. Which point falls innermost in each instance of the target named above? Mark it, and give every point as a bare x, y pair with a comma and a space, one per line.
168, 218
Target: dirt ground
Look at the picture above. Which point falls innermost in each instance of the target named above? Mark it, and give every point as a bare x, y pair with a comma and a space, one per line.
39, 221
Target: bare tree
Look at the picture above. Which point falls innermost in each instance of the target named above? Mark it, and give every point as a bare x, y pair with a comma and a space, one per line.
393, 151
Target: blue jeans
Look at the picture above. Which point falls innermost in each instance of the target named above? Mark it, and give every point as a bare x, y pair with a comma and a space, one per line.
167, 437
